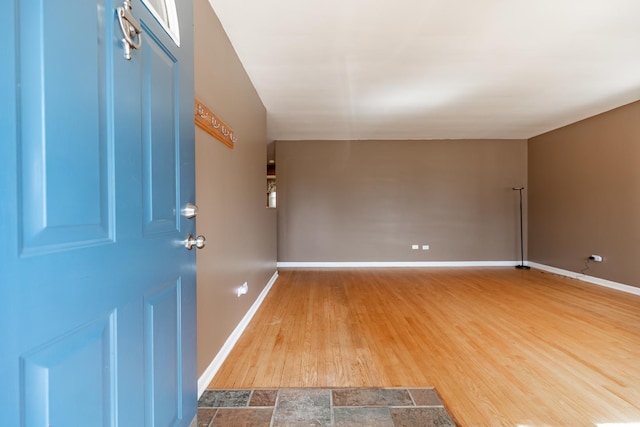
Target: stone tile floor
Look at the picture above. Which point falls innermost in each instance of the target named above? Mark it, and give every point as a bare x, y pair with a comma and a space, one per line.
293, 407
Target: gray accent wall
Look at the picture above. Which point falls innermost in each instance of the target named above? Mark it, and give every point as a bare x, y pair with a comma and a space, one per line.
350, 201
585, 196
230, 190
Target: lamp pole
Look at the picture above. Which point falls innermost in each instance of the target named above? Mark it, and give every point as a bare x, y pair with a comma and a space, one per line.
521, 266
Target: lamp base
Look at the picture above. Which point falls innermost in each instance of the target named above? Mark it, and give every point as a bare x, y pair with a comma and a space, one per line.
523, 267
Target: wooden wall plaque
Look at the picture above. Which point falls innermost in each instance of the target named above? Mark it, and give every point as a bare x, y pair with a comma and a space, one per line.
213, 125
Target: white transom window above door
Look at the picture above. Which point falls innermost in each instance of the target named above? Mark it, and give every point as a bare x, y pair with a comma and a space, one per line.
165, 12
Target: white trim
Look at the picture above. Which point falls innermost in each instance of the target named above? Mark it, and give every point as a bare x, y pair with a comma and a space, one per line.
217, 361
585, 278
398, 264
595, 280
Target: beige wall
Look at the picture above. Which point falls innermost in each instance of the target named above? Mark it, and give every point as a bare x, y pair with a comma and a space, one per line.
371, 200
584, 196
230, 190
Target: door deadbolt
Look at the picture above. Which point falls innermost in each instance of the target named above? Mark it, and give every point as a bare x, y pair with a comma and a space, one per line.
189, 211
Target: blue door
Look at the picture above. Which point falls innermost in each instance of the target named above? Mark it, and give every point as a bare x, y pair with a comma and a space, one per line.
97, 289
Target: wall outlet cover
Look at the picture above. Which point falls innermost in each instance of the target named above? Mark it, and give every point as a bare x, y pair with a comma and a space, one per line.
243, 290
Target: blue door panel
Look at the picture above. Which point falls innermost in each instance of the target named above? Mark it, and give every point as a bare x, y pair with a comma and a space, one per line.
97, 292
162, 362
50, 378
50, 128
161, 141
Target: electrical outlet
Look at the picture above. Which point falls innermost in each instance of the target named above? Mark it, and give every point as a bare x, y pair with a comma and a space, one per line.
425, 247
415, 247
242, 290
596, 258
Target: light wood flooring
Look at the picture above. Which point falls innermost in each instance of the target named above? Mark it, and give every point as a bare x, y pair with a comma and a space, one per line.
501, 346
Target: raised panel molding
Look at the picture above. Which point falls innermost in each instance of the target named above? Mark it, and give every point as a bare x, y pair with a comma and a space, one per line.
63, 204
160, 139
79, 366
163, 365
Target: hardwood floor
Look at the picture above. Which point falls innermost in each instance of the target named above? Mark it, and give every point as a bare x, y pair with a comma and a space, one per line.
501, 346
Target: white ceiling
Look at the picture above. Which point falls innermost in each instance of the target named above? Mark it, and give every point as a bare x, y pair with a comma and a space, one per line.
432, 69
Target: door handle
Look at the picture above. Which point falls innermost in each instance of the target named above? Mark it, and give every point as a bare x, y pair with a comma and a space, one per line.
199, 242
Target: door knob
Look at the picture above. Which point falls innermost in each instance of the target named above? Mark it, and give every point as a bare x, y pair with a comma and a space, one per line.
189, 211
198, 242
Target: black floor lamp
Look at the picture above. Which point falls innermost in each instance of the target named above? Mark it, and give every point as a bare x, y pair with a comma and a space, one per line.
521, 266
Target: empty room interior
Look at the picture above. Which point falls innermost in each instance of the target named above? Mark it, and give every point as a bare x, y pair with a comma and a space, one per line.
424, 194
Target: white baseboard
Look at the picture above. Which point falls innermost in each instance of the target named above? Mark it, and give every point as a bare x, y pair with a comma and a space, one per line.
595, 280
585, 278
397, 264
216, 363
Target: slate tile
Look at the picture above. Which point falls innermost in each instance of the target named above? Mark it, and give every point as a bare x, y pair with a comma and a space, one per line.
358, 416
303, 407
371, 397
263, 398
205, 415
224, 398
421, 417
243, 417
